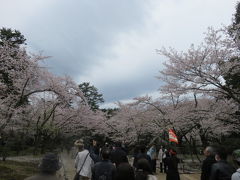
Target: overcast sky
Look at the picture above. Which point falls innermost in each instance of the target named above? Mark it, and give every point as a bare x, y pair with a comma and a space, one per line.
111, 43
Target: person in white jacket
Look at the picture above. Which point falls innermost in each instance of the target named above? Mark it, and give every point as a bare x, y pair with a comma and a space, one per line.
160, 158
236, 159
83, 162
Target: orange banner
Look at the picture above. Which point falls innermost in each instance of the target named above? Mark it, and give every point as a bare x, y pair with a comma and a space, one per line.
172, 136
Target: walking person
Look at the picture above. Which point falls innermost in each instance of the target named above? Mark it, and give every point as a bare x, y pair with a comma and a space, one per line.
236, 160
172, 166
221, 170
95, 151
83, 162
160, 158
142, 155
135, 154
143, 171
125, 172
207, 163
152, 152
48, 167
164, 157
118, 156
104, 170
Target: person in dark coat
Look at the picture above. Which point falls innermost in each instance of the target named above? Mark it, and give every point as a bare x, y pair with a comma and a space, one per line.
118, 156
95, 151
136, 151
172, 166
125, 172
104, 170
207, 163
144, 171
49, 166
221, 170
142, 155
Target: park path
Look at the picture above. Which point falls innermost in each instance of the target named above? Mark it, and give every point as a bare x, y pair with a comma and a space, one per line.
68, 166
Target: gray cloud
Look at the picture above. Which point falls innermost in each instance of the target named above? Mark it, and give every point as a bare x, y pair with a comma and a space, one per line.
76, 33
130, 88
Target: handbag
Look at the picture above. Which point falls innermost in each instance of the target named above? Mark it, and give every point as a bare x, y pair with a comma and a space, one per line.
77, 175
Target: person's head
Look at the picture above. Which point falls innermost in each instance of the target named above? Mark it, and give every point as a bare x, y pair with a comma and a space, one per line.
79, 144
209, 151
143, 169
172, 152
136, 150
221, 154
118, 144
143, 165
236, 157
125, 171
94, 142
153, 146
106, 153
87, 143
50, 164
143, 149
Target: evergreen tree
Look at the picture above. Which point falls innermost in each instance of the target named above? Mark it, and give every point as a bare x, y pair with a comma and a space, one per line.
91, 94
12, 37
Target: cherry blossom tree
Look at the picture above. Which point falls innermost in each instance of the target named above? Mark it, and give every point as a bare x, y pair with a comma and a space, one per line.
40, 103
195, 121
205, 70
201, 69
131, 124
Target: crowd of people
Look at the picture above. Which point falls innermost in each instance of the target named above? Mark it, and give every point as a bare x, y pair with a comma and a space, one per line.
112, 163
216, 167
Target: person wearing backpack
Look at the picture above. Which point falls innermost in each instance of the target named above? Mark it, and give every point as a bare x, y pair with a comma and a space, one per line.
104, 170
